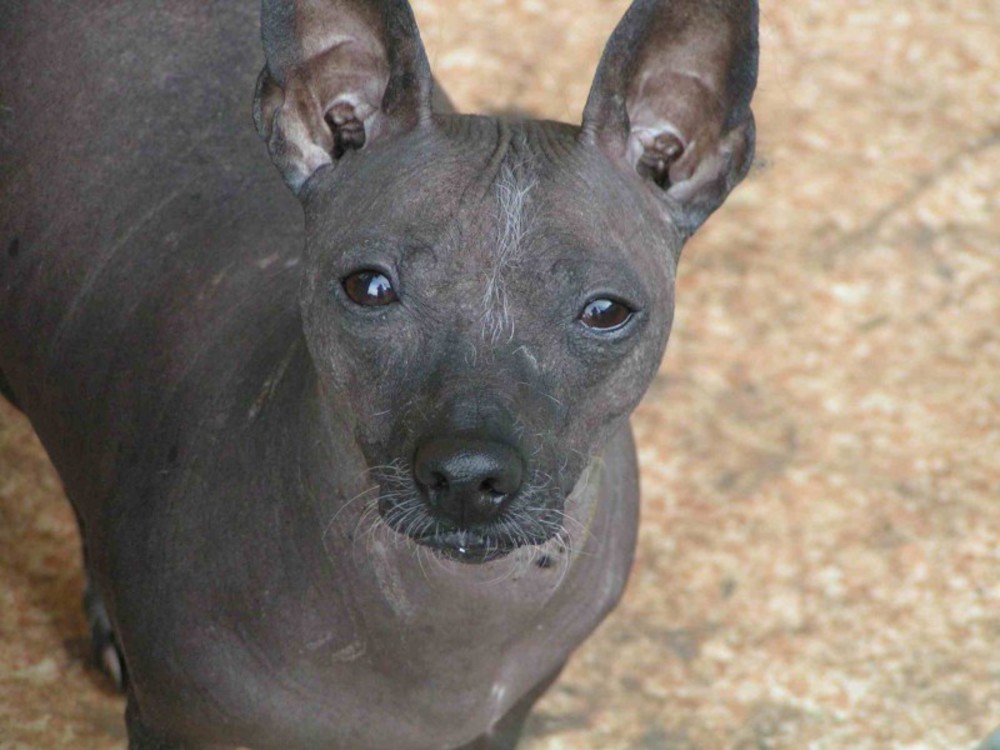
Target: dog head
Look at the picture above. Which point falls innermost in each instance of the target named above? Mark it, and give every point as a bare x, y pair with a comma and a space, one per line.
485, 300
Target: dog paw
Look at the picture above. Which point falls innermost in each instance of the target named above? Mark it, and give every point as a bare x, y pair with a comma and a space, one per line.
104, 650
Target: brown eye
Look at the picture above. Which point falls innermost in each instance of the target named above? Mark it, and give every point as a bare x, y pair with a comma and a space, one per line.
370, 288
605, 314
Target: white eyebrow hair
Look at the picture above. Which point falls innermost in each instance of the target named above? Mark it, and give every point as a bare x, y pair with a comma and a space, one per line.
512, 194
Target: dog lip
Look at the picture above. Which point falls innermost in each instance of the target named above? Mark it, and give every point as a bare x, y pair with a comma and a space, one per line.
464, 546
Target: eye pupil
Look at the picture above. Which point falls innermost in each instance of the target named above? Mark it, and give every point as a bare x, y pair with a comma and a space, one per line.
369, 288
605, 314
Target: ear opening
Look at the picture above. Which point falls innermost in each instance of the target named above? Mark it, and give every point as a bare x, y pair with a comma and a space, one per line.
671, 99
340, 74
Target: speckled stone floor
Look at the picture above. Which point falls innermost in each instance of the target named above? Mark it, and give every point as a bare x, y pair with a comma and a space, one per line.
819, 564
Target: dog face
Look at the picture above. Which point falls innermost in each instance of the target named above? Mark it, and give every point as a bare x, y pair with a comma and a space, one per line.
486, 301
491, 300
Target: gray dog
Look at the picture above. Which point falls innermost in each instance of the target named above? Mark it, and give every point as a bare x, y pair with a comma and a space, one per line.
366, 484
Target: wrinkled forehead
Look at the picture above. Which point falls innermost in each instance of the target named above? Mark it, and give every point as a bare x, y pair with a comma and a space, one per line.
483, 184
419, 181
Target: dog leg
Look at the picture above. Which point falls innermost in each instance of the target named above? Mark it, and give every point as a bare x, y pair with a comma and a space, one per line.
104, 650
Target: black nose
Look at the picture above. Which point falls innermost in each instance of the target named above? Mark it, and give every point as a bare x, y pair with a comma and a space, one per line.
467, 481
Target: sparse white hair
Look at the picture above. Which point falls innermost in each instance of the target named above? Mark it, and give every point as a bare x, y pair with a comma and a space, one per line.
512, 230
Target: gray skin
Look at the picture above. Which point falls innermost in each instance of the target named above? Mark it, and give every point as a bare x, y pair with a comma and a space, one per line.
239, 439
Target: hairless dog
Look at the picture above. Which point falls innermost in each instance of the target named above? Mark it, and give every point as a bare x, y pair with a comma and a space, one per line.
367, 480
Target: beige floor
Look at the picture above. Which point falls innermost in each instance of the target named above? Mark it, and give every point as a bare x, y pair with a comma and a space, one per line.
819, 563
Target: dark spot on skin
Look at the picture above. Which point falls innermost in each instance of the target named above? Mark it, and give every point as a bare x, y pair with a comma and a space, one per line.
172, 454
545, 562
14, 248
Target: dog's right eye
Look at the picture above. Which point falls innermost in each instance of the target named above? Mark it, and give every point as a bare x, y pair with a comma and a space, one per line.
369, 288
605, 315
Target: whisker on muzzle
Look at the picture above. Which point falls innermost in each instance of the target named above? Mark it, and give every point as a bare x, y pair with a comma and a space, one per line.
533, 518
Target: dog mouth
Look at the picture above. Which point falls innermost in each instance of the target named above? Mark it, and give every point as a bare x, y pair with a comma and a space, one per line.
476, 544
466, 545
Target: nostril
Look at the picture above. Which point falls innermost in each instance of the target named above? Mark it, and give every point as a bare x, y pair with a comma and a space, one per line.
488, 487
438, 481
506, 482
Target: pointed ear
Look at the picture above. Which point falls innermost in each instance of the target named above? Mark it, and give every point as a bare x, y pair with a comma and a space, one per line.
339, 74
672, 95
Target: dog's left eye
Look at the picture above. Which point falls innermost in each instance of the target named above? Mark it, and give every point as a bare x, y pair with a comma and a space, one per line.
370, 288
605, 314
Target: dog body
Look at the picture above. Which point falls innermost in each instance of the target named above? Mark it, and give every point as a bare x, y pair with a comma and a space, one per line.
366, 483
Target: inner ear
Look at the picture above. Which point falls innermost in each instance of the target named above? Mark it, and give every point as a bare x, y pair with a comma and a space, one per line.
671, 98
339, 75
347, 127
654, 153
